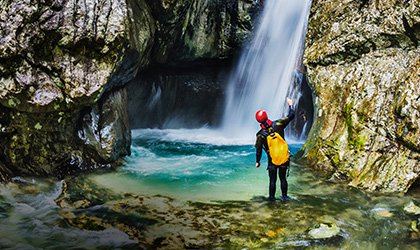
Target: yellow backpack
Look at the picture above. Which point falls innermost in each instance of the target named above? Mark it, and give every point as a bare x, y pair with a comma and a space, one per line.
278, 149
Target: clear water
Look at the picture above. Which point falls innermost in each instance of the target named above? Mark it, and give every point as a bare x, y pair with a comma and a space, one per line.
198, 164
203, 165
31, 219
213, 167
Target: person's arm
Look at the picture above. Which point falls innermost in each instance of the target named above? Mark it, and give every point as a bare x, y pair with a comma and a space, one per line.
283, 122
258, 147
291, 114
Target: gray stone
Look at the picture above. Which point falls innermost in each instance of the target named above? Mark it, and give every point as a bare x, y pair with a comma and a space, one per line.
64, 53
324, 231
105, 128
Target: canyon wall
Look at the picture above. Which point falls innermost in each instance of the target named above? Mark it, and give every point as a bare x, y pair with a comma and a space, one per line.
363, 60
64, 65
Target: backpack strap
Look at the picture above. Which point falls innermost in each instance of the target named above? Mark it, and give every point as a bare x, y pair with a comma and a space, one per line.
274, 125
264, 133
271, 130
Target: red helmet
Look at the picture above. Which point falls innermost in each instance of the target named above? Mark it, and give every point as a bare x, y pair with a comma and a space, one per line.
261, 116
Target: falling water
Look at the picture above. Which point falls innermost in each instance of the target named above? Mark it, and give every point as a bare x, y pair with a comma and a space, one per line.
302, 135
263, 78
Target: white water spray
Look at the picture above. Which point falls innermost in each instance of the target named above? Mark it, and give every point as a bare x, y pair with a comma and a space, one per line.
263, 78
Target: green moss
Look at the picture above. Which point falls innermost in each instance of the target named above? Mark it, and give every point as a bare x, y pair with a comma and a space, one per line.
38, 126
336, 159
99, 94
57, 52
355, 141
59, 83
359, 142
13, 145
349, 120
11, 103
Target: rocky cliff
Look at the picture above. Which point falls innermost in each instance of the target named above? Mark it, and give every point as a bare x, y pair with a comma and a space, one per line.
363, 61
64, 64
194, 29
56, 63
178, 97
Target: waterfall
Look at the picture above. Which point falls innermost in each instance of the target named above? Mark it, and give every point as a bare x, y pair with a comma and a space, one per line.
263, 77
302, 135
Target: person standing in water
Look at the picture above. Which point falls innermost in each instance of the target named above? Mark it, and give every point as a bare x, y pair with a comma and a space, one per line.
271, 138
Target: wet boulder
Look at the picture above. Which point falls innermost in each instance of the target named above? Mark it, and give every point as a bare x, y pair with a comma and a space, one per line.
324, 231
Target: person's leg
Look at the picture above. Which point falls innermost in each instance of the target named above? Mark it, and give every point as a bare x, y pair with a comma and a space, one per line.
272, 174
283, 180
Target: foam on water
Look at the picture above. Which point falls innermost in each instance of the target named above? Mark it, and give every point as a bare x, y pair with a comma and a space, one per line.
202, 136
199, 135
200, 164
184, 170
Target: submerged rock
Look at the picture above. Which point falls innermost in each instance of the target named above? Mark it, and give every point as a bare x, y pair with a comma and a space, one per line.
414, 226
324, 231
382, 212
83, 202
364, 68
411, 208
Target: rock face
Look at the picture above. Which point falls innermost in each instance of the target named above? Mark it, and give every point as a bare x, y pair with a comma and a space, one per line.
63, 64
56, 61
58, 54
64, 142
364, 67
176, 97
191, 38
193, 29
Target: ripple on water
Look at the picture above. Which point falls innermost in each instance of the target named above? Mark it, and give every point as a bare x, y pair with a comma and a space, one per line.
216, 192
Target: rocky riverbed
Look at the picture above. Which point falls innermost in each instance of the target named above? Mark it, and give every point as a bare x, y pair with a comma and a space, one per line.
337, 218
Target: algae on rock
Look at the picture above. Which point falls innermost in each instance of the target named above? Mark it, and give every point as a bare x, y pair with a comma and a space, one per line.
364, 68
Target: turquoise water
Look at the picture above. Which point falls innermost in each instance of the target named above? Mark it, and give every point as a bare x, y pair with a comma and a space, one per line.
196, 169
192, 165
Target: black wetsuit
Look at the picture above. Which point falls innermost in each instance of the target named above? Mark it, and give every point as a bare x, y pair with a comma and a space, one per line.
261, 143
